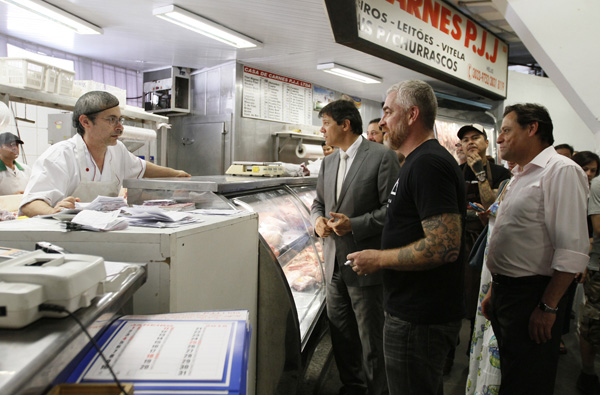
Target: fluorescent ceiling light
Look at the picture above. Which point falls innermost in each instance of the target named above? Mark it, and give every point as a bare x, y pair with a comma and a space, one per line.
56, 15
346, 72
201, 25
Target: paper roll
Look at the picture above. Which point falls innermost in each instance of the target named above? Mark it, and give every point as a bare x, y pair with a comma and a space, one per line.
309, 151
133, 133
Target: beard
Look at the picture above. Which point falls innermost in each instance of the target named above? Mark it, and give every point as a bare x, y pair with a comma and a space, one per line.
397, 137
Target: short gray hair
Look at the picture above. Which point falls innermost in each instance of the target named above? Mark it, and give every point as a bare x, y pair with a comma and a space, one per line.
417, 93
91, 103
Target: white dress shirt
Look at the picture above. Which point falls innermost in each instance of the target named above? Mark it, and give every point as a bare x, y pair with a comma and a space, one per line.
541, 224
56, 174
351, 152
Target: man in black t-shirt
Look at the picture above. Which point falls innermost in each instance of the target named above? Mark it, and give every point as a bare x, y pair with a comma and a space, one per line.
422, 255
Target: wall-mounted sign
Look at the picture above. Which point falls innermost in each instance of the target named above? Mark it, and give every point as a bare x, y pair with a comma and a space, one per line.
273, 97
428, 36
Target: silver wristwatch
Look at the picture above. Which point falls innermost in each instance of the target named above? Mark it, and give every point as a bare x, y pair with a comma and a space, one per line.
481, 176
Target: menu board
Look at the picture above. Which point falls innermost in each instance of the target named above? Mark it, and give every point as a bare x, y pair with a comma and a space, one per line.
273, 97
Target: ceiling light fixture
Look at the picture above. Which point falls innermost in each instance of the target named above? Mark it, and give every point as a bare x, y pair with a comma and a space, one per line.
56, 15
346, 72
201, 25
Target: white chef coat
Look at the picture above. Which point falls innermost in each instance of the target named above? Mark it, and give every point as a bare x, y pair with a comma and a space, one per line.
56, 174
13, 181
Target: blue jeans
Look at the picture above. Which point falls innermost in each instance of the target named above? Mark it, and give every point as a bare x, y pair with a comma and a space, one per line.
415, 354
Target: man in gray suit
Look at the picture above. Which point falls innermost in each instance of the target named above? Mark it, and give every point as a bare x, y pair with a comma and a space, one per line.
349, 212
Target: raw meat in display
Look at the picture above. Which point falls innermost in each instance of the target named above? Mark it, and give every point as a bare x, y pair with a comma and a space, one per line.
303, 282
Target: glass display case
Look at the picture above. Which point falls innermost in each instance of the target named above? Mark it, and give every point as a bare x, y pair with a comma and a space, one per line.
284, 224
291, 289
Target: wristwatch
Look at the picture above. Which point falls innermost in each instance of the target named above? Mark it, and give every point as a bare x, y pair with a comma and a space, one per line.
481, 176
547, 309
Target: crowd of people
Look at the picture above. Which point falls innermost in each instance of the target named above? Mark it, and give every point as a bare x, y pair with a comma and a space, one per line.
414, 242
503, 246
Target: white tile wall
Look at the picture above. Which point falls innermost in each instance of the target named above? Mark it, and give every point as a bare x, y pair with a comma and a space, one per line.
34, 135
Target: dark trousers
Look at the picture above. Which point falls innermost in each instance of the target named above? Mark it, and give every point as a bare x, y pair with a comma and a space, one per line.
356, 324
415, 353
527, 368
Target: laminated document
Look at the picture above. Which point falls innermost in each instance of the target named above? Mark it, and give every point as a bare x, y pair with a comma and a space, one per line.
171, 353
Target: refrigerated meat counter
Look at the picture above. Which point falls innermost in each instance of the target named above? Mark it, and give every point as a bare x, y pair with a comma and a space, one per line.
291, 289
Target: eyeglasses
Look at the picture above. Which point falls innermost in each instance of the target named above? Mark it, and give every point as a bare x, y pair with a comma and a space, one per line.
13, 144
113, 120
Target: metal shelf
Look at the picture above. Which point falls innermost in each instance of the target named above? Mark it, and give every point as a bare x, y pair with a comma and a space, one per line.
67, 103
278, 146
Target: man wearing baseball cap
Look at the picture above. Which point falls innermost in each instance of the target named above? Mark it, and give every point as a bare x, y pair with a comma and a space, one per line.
90, 164
482, 181
13, 175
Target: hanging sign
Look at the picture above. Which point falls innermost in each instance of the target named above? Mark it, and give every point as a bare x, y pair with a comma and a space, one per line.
428, 36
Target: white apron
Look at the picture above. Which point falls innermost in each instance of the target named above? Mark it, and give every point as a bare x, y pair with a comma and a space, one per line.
87, 190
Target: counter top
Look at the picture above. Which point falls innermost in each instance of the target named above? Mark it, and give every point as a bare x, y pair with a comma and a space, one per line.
33, 356
219, 184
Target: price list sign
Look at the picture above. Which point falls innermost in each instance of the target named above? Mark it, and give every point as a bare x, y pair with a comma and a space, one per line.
157, 350
273, 97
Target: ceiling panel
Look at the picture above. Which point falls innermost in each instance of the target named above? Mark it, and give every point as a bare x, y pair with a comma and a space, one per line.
296, 36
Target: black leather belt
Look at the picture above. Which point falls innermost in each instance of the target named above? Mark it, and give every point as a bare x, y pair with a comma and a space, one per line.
525, 280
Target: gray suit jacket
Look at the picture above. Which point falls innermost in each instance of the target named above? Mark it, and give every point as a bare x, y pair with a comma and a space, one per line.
363, 199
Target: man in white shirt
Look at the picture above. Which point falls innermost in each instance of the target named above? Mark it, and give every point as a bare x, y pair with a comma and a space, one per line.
91, 163
539, 242
13, 175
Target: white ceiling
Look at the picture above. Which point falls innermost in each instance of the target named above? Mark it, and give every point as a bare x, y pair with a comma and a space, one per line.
296, 36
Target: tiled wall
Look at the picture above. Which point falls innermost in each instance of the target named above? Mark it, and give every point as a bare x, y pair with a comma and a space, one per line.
34, 135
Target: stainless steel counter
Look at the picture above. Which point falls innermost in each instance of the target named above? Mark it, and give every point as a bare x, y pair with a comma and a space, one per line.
218, 184
31, 358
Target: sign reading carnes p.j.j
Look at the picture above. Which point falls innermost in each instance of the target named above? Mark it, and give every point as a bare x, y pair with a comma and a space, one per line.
428, 36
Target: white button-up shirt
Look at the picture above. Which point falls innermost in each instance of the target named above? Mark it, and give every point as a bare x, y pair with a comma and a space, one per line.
541, 224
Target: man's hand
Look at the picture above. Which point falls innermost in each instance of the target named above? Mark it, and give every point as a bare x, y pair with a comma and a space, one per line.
486, 304
340, 224
66, 203
366, 261
475, 162
540, 326
321, 227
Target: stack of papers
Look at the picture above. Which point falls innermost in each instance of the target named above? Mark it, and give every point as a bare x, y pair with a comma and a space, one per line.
98, 220
103, 203
155, 217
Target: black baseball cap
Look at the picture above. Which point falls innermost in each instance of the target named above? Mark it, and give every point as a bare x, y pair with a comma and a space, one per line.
467, 128
7, 138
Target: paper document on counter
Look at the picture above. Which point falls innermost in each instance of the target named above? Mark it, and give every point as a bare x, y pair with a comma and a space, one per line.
103, 203
98, 220
150, 216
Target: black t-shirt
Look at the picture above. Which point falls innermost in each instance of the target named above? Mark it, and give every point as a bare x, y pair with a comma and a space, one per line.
430, 183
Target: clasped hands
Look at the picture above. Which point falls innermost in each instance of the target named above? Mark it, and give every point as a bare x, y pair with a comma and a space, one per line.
338, 224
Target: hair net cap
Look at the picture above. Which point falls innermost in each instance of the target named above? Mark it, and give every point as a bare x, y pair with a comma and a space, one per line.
93, 102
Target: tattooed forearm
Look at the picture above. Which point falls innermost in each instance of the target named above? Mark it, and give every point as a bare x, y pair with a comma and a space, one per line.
487, 195
440, 245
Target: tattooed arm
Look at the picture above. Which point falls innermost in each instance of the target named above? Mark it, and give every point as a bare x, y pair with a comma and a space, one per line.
440, 245
487, 194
